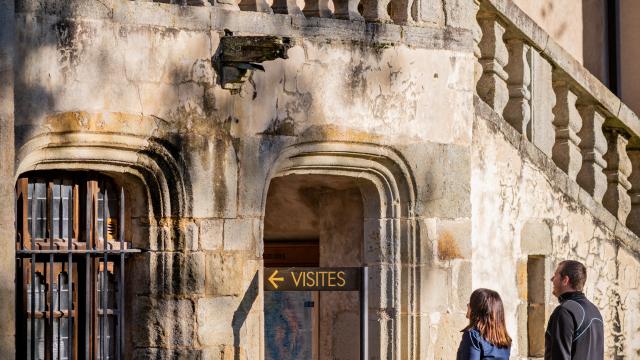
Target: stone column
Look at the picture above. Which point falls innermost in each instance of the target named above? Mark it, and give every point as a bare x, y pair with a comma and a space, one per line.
317, 8
592, 147
567, 122
246, 5
492, 86
617, 171
518, 109
633, 220
400, 11
289, 7
7, 193
347, 9
375, 10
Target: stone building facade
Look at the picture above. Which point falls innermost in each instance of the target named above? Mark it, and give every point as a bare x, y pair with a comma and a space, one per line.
445, 144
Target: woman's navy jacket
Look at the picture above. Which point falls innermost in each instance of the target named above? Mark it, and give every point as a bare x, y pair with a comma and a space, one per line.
474, 347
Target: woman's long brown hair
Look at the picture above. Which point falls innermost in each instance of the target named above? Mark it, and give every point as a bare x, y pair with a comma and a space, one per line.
487, 315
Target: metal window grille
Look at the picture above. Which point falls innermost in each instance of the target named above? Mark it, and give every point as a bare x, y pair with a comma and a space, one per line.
70, 261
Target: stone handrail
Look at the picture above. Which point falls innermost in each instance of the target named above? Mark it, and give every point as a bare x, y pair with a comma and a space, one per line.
587, 131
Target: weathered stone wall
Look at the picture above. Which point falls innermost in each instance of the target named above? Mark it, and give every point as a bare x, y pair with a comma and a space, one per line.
523, 207
450, 201
128, 88
7, 153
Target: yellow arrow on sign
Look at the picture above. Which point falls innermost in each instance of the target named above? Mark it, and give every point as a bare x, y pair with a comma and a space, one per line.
273, 279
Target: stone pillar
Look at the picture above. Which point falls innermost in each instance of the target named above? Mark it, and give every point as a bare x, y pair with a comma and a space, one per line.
317, 8
231, 5
400, 11
592, 147
7, 158
289, 7
375, 10
492, 86
246, 5
567, 122
633, 220
347, 9
518, 109
617, 171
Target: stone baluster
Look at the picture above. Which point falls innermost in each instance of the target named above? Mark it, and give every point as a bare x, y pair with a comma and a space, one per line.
375, 10
593, 145
567, 122
616, 199
518, 109
317, 8
231, 5
400, 11
633, 220
492, 86
289, 7
347, 9
249, 5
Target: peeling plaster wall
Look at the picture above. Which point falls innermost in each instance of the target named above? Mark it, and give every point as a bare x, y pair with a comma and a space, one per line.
517, 211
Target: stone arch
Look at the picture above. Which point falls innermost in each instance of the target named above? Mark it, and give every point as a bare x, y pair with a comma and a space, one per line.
388, 190
157, 167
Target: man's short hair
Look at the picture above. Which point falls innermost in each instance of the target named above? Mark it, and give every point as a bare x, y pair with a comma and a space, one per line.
576, 272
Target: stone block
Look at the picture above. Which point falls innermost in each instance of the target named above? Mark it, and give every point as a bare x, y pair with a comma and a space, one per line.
522, 340
224, 273
460, 13
241, 234
177, 273
426, 232
448, 334
535, 238
211, 234
163, 322
439, 194
215, 319
436, 286
453, 239
462, 273
7, 344
378, 241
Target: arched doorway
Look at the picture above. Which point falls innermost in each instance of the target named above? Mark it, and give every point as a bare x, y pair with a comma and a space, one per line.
313, 220
385, 187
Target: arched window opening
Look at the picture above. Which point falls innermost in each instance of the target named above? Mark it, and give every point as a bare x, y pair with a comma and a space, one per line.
70, 257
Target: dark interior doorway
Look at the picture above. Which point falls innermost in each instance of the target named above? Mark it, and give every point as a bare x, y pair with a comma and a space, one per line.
312, 220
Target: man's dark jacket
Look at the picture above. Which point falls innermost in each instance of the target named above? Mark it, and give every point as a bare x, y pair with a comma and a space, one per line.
575, 330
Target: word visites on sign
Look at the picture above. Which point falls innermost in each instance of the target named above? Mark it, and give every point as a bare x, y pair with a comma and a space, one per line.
312, 279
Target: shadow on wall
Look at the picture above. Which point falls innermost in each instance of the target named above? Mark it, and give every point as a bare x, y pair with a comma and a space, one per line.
241, 313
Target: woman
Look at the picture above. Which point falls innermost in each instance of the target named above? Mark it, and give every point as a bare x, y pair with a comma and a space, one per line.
486, 335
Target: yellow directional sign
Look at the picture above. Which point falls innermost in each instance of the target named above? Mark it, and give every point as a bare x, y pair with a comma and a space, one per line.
273, 279
312, 279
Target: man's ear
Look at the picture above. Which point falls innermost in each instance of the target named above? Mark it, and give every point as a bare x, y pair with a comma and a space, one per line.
566, 281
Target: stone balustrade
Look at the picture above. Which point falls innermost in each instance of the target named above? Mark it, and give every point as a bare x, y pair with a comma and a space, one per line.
401, 12
591, 135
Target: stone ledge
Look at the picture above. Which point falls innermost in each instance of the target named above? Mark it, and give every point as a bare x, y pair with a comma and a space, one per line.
560, 58
207, 18
557, 178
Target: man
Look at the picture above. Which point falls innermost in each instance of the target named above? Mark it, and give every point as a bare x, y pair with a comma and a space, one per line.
575, 329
